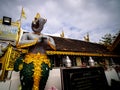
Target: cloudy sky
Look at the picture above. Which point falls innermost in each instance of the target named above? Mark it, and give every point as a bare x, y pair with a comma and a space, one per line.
75, 17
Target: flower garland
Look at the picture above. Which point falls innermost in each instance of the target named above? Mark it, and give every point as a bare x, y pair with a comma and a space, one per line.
37, 60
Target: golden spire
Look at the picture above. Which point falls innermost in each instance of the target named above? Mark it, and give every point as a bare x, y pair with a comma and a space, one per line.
62, 34
86, 38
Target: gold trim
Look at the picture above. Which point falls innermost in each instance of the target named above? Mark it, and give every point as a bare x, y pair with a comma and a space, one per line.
8, 54
0, 21
13, 55
5, 62
27, 44
80, 53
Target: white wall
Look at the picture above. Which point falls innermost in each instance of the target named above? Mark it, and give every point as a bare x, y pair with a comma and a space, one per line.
54, 80
11, 84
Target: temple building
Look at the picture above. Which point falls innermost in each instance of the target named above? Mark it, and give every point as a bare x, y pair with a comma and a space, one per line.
75, 57
79, 51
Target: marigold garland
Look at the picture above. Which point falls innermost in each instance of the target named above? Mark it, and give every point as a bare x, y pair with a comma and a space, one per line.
37, 60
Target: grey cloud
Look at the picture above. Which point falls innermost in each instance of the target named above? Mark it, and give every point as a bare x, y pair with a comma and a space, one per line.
93, 16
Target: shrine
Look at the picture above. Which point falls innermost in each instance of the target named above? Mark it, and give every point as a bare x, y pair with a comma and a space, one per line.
77, 51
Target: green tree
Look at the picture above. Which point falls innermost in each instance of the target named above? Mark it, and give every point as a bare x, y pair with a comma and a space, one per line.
108, 39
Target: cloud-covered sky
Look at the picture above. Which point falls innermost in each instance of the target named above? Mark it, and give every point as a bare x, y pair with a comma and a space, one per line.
75, 17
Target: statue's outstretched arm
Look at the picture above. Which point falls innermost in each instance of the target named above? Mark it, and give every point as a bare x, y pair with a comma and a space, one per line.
27, 40
51, 43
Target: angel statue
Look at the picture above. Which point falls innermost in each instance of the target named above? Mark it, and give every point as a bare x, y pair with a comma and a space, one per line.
34, 66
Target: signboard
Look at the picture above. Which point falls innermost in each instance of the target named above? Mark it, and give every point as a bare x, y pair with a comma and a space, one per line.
8, 32
83, 79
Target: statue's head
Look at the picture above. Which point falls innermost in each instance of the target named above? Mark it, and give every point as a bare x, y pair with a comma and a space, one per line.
38, 23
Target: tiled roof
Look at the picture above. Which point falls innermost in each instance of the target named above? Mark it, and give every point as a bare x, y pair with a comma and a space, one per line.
72, 45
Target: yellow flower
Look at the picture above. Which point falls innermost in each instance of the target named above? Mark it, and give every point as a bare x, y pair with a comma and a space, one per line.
20, 67
37, 60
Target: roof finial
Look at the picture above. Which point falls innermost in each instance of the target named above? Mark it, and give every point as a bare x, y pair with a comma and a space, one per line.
86, 38
62, 34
